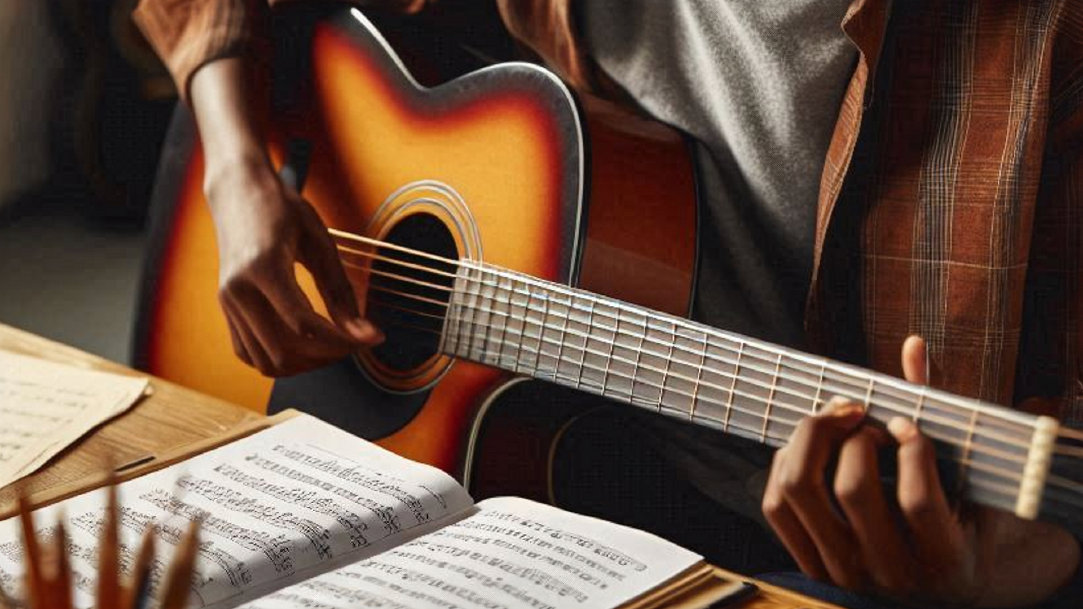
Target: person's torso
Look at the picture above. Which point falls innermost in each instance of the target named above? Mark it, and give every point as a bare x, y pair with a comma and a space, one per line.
758, 85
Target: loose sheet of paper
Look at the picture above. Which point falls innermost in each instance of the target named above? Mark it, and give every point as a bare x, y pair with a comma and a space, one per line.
509, 553
45, 407
277, 507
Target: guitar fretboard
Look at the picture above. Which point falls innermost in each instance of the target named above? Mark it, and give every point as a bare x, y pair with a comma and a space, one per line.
736, 384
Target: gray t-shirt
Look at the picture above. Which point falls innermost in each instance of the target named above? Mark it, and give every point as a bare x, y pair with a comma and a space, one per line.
758, 84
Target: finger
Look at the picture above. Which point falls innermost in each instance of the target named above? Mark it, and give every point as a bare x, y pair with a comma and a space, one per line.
288, 352
937, 538
295, 310
238, 345
859, 493
257, 356
789, 529
320, 256
915, 360
801, 479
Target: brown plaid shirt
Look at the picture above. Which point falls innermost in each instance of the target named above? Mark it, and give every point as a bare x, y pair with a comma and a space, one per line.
951, 195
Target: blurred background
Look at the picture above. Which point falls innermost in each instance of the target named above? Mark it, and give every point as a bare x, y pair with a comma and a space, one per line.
84, 105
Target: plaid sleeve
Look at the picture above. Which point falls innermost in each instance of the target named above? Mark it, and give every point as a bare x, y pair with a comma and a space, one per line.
187, 34
1050, 363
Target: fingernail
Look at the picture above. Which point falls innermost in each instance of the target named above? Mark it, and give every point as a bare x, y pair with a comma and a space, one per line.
359, 328
842, 408
901, 428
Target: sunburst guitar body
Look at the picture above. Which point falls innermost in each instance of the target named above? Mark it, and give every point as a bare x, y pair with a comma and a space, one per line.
498, 230
502, 166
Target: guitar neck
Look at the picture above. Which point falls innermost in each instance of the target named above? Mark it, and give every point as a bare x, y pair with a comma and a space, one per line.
733, 383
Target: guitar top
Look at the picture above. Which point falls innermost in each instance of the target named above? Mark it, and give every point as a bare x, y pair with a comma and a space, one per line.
498, 228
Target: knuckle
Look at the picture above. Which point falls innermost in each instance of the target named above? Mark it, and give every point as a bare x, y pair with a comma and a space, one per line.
233, 283
772, 506
917, 504
279, 361
853, 490
797, 482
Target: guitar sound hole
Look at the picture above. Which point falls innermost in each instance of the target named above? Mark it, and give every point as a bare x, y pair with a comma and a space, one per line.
408, 293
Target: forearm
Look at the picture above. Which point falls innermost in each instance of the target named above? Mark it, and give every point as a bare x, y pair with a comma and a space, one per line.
230, 107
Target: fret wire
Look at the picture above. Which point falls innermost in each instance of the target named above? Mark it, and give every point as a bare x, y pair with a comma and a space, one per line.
967, 445
771, 396
844, 376
639, 355
504, 331
479, 310
445, 328
541, 333
819, 389
563, 339
489, 325
839, 390
733, 387
738, 364
472, 309
791, 408
586, 345
669, 363
868, 395
699, 378
921, 401
527, 308
466, 306
609, 358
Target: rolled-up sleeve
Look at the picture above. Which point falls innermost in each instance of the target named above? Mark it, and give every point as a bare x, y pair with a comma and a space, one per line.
189, 33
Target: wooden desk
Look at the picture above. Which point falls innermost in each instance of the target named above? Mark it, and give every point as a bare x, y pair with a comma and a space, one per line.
171, 423
168, 422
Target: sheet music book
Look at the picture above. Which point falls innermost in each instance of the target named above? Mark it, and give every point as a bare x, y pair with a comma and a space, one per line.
304, 515
45, 407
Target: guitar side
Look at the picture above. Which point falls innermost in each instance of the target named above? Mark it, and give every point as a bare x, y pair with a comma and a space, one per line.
524, 177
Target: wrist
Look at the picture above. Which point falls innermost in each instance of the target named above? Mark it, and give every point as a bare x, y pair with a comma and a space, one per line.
239, 180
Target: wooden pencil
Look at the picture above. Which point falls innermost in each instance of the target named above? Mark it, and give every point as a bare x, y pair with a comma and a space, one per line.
108, 588
139, 590
175, 592
49, 575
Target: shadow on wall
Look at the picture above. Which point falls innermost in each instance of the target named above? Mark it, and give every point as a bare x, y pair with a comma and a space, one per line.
83, 109
84, 104
31, 61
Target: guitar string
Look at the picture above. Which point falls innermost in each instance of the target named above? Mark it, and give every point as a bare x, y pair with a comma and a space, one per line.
1075, 452
991, 418
786, 406
883, 403
1064, 432
556, 374
1053, 481
1010, 492
543, 327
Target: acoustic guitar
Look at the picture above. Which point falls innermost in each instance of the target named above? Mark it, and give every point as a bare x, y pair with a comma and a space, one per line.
499, 229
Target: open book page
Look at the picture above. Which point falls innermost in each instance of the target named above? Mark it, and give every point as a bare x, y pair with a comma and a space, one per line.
278, 506
45, 406
508, 553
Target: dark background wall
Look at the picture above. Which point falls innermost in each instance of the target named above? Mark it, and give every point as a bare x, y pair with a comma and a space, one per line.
83, 109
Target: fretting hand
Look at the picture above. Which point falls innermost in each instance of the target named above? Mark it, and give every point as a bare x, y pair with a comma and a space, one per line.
934, 552
263, 228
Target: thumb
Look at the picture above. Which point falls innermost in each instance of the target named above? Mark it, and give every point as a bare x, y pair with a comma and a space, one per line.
915, 360
318, 253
